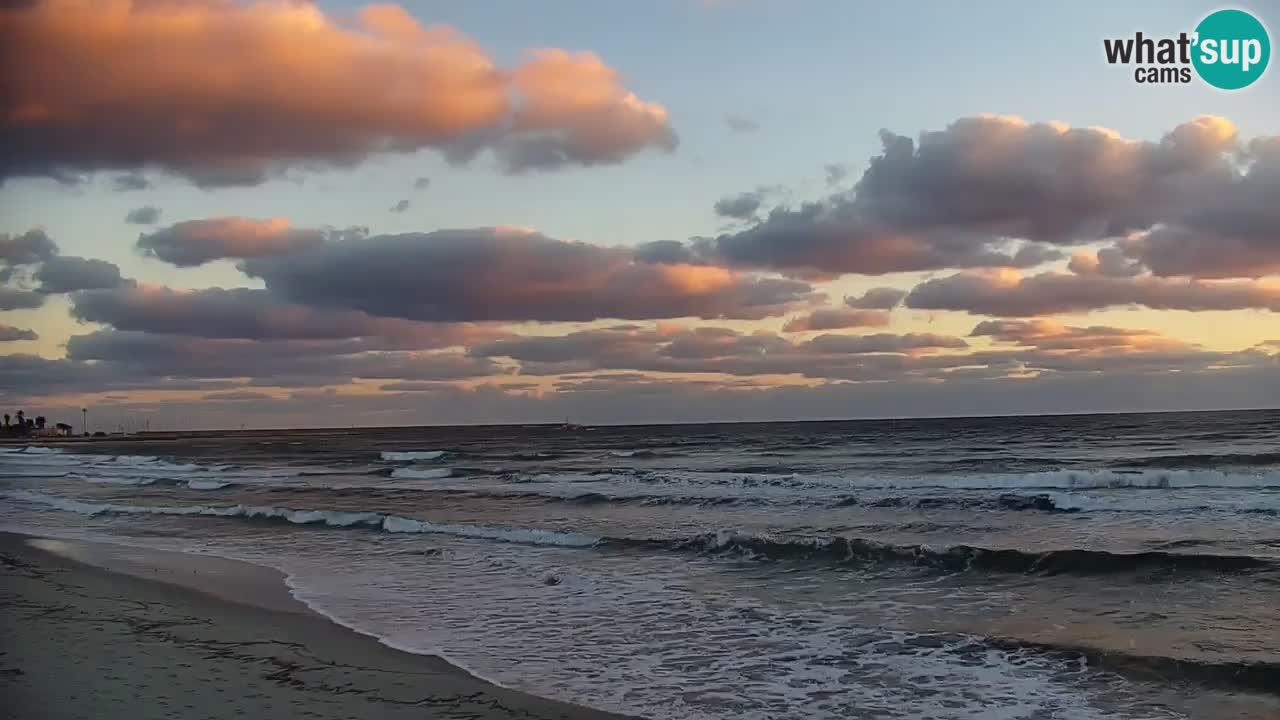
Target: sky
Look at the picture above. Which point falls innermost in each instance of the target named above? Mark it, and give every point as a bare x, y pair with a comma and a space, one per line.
226, 213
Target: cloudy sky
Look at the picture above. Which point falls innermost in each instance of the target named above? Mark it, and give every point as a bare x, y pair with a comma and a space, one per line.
218, 213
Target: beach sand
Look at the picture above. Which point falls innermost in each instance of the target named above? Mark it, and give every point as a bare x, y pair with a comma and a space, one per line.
104, 632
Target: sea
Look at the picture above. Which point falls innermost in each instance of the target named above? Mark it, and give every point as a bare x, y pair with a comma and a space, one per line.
1030, 568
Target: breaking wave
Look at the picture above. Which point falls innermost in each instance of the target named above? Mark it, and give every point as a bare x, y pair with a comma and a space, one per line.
409, 456
428, 474
837, 550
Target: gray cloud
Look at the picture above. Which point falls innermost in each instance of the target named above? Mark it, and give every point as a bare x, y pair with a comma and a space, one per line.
1011, 295
256, 315
196, 242
742, 206
146, 215
513, 275
64, 274
28, 248
927, 204
877, 298
741, 123
836, 319
835, 173
330, 362
422, 183
9, 333
400, 206
130, 182
16, 299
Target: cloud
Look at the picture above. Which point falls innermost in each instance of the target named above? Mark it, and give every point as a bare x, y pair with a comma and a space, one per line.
990, 191
1045, 334
235, 396
223, 109
741, 123
64, 274
507, 274
30, 247
17, 299
1010, 294
877, 298
837, 318
835, 173
422, 183
196, 242
400, 206
325, 362
131, 182
254, 314
9, 333
146, 215
742, 206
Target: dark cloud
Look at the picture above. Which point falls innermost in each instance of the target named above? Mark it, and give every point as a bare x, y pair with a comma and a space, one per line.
1047, 334
742, 206
16, 299
513, 275
146, 215
877, 298
400, 206
239, 118
836, 319
30, 247
9, 333
422, 183
130, 182
1009, 294
255, 315
330, 362
997, 192
835, 173
64, 274
741, 123
196, 242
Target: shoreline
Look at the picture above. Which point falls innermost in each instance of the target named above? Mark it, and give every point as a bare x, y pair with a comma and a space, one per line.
146, 630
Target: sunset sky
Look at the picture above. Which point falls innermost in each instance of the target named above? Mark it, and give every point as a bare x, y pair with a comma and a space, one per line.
220, 213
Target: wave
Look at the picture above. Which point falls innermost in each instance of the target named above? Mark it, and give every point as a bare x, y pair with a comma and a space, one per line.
1114, 479
645, 454
1206, 460
429, 474
837, 550
1257, 676
960, 558
412, 455
192, 483
330, 518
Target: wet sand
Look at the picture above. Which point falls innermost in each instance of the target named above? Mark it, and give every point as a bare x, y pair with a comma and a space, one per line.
105, 632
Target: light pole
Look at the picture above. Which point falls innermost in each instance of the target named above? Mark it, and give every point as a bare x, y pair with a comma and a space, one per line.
84, 421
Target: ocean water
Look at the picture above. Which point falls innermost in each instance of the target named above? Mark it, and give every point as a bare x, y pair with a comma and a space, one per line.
1117, 566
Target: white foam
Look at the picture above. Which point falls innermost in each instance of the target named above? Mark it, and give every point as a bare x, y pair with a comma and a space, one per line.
207, 484
411, 455
332, 518
396, 524
429, 474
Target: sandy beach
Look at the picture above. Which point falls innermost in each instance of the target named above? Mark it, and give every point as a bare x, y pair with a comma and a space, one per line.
206, 638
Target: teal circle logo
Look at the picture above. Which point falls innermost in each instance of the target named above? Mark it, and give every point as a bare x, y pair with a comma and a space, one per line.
1232, 49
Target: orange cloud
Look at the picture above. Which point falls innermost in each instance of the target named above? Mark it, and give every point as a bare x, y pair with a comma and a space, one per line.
229, 93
